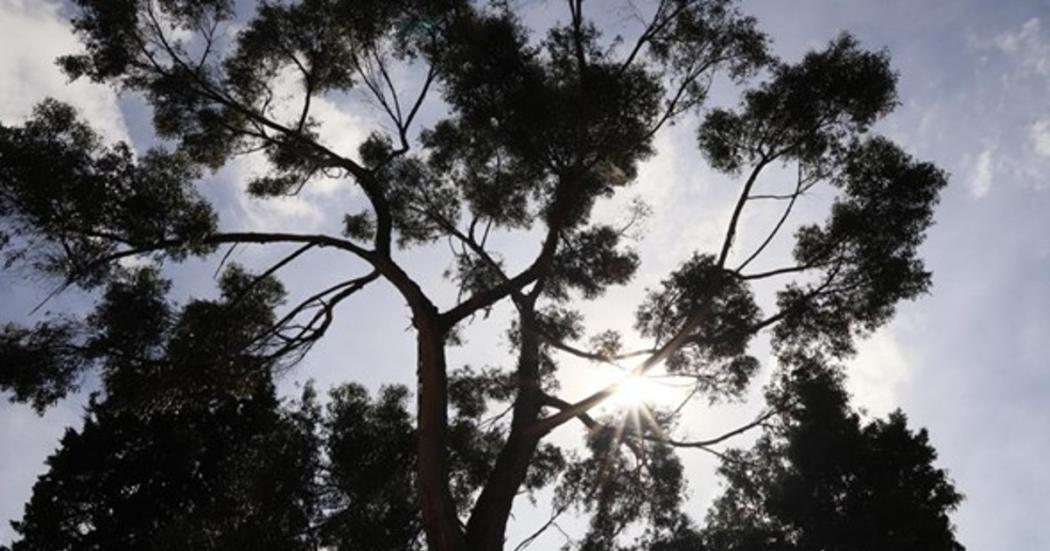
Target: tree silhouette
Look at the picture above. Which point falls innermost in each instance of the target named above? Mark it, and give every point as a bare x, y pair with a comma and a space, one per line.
536, 129
188, 448
819, 478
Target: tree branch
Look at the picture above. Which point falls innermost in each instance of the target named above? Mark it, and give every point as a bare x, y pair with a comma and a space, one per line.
727, 243
316, 298
271, 270
552, 521
309, 334
779, 224
593, 356
547, 424
714, 440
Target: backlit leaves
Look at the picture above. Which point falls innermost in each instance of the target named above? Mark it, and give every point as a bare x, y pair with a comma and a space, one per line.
715, 352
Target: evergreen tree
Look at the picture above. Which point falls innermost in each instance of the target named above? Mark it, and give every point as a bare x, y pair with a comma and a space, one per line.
821, 478
187, 448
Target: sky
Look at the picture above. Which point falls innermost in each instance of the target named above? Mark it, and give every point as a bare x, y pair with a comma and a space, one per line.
967, 361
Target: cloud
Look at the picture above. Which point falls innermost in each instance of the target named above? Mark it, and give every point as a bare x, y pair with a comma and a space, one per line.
248, 213
340, 129
1040, 136
34, 35
690, 210
1030, 43
1011, 41
981, 183
876, 374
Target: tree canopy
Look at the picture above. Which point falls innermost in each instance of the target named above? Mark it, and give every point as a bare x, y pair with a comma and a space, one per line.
187, 444
820, 478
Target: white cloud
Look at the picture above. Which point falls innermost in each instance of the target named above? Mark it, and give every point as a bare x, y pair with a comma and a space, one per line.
34, 35
1012, 41
340, 130
982, 174
1031, 44
291, 213
1040, 136
679, 187
877, 373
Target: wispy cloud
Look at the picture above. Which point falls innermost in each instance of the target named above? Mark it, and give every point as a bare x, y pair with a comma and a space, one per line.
1040, 136
1031, 44
981, 183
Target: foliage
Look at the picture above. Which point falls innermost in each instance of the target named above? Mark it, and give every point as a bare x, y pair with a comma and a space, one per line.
69, 202
821, 478
530, 130
156, 467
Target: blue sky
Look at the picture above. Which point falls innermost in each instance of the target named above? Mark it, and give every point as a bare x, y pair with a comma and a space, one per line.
969, 361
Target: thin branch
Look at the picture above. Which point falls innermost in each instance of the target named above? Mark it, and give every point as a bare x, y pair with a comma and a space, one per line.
222, 262
779, 224
313, 300
308, 334
652, 30
552, 521
547, 424
819, 261
593, 356
403, 130
717, 439
390, 86
673, 109
558, 403
495, 418
272, 270
376, 89
735, 218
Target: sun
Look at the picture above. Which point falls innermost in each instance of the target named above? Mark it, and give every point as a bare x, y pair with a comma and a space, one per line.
639, 390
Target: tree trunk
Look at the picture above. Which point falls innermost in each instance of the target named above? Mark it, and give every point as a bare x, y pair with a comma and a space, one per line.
440, 521
488, 522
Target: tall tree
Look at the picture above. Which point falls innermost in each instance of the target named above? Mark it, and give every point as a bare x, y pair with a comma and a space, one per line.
538, 128
819, 478
187, 447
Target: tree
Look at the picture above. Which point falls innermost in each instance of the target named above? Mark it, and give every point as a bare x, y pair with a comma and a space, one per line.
537, 131
188, 447
156, 468
820, 479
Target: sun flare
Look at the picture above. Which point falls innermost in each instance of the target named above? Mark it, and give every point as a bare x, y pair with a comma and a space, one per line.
636, 391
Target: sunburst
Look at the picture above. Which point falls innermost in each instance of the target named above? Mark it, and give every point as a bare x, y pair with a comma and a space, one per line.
640, 390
